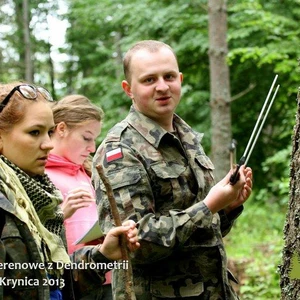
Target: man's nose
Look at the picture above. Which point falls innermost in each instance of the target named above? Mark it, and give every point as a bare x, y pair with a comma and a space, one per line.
162, 85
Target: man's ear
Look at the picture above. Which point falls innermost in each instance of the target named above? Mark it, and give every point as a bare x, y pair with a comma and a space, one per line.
1, 142
181, 76
61, 128
126, 88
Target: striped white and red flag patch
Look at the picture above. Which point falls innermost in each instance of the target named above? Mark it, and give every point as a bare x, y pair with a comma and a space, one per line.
114, 154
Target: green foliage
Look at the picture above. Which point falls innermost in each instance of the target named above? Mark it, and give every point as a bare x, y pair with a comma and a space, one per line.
261, 40
255, 245
276, 191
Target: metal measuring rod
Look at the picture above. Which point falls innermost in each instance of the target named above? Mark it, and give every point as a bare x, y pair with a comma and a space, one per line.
255, 133
232, 151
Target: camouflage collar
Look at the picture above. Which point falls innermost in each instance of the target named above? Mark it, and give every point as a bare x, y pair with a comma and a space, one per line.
146, 127
152, 132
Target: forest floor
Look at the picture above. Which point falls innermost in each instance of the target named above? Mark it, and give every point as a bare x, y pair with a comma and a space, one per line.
254, 247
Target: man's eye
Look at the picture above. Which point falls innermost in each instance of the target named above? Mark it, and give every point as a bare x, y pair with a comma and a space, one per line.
149, 80
169, 77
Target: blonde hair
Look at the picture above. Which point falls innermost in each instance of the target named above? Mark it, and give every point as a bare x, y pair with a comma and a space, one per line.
74, 110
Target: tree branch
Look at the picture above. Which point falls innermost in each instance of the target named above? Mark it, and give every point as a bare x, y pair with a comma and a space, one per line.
244, 92
116, 217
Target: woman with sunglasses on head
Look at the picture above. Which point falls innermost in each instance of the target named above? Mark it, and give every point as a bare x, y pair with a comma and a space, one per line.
34, 263
77, 125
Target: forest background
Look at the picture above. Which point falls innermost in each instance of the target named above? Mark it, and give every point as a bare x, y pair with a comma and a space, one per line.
263, 40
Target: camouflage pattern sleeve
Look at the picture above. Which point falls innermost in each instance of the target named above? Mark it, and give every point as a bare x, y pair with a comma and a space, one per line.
228, 220
133, 191
88, 269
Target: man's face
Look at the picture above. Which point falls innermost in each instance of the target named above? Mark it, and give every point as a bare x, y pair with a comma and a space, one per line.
155, 86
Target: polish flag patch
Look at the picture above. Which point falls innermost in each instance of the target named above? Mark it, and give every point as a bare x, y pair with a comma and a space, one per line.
114, 154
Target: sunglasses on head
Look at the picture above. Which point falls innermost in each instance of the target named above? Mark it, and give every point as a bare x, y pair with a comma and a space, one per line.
28, 92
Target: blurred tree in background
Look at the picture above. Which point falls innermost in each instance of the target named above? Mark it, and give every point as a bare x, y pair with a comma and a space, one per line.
262, 39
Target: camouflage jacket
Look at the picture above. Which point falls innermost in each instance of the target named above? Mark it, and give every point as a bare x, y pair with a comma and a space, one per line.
22, 272
160, 179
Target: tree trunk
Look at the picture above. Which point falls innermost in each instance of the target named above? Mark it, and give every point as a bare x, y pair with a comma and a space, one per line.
27, 43
290, 268
20, 37
51, 72
119, 57
219, 87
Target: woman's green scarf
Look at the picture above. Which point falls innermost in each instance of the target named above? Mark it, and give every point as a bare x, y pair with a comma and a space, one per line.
51, 245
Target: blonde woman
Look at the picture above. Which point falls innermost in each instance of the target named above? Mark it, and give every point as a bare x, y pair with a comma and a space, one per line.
77, 126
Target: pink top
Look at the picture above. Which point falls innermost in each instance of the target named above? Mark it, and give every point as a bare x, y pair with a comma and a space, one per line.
67, 176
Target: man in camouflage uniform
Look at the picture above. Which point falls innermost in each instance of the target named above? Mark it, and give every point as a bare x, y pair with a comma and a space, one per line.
162, 179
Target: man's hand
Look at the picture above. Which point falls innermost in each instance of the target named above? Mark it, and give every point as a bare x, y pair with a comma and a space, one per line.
227, 196
244, 193
111, 246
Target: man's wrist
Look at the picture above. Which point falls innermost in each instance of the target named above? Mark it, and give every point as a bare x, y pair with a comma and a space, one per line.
98, 255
